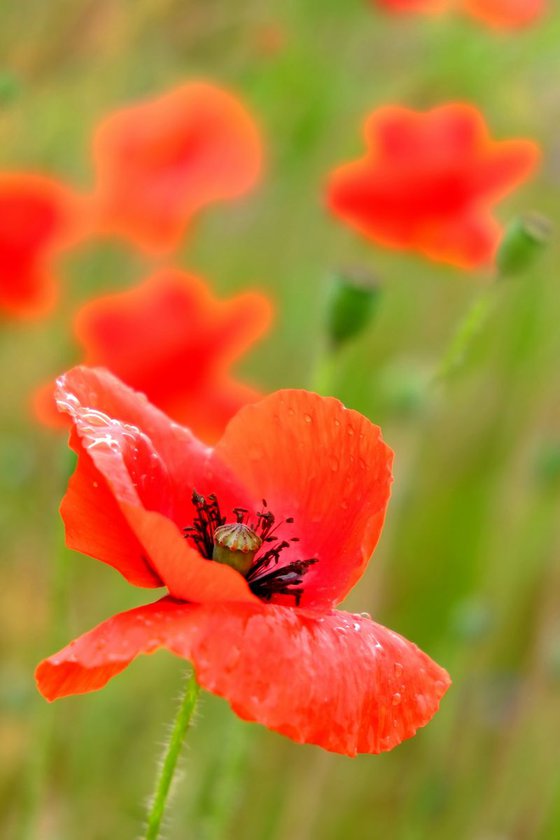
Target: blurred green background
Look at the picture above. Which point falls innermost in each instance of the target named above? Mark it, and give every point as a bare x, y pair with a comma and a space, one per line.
468, 563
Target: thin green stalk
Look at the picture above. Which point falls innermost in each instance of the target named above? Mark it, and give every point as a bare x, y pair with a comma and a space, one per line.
324, 376
171, 757
469, 328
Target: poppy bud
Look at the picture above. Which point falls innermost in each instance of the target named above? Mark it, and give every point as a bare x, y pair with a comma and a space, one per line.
353, 301
235, 545
523, 241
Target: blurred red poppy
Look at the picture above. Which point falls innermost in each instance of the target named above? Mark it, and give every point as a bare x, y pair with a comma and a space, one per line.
506, 14
170, 338
429, 181
39, 217
305, 483
414, 5
162, 160
501, 14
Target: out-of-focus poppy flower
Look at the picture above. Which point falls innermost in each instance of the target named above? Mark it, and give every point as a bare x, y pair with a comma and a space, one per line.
428, 6
500, 14
162, 160
173, 340
429, 181
506, 14
39, 217
304, 484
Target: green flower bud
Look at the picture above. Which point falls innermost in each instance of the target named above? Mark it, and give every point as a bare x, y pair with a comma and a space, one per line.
524, 240
353, 301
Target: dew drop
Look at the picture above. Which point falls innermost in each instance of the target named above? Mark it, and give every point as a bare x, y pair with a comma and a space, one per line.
398, 668
396, 698
307, 418
421, 703
350, 431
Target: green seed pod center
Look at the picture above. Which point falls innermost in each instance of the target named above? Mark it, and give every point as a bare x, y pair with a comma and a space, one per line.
236, 545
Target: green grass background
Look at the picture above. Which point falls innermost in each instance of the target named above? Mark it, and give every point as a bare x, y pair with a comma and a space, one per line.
468, 565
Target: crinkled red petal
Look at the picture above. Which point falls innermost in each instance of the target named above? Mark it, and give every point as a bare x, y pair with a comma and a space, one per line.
324, 465
160, 161
337, 680
131, 492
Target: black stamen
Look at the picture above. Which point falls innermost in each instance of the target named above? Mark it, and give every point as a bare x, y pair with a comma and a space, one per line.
281, 581
208, 518
266, 577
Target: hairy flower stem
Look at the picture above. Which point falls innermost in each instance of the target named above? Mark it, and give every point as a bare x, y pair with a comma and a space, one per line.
170, 758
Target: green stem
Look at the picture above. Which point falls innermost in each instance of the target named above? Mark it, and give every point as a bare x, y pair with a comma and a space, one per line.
467, 331
170, 758
324, 376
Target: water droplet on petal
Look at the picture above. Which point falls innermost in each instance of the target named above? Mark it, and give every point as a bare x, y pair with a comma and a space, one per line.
307, 418
398, 668
396, 698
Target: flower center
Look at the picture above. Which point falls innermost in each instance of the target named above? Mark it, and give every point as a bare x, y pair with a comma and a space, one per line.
239, 545
236, 544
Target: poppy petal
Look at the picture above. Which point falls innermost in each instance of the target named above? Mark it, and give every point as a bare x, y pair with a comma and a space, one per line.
337, 680
125, 478
38, 218
468, 242
506, 14
430, 6
324, 465
160, 161
173, 340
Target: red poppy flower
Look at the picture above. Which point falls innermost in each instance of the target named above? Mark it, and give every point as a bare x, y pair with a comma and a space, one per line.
506, 14
429, 181
501, 14
414, 5
160, 161
38, 218
304, 483
173, 340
